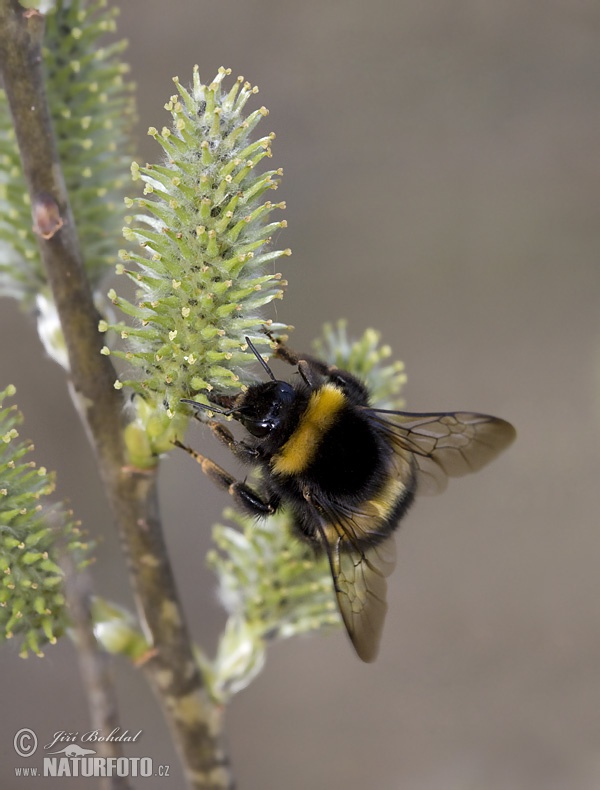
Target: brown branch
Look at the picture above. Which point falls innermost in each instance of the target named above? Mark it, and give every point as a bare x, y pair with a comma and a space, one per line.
94, 663
194, 721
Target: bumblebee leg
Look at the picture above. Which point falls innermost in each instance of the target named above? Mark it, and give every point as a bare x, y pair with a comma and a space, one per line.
312, 370
241, 450
244, 496
284, 353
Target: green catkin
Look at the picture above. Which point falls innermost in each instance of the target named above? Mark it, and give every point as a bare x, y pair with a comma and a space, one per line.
31, 604
92, 117
205, 271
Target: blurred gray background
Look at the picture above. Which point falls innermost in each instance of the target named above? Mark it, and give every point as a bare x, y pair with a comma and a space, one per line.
441, 174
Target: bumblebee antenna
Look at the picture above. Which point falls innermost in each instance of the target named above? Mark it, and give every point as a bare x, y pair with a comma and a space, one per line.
260, 359
197, 405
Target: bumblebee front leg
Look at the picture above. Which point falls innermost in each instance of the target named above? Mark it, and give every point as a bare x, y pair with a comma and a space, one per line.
282, 351
242, 451
244, 496
312, 370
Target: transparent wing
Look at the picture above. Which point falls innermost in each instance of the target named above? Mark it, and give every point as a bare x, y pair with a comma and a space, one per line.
359, 571
433, 447
444, 445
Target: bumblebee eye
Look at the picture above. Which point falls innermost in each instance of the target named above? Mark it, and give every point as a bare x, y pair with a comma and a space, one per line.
284, 394
258, 428
261, 430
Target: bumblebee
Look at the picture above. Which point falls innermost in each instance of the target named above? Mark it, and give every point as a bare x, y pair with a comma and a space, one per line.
348, 472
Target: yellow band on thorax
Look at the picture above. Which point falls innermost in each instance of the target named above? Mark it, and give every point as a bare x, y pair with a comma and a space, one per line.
321, 412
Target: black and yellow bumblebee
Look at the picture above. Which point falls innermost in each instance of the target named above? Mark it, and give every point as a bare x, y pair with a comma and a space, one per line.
348, 472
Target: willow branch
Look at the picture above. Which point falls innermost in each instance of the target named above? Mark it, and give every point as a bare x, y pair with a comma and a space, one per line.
172, 671
94, 665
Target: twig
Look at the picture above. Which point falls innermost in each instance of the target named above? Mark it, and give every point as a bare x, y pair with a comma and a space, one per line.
94, 664
194, 721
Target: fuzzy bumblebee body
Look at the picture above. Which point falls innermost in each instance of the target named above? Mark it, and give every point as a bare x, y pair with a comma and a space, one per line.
336, 457
347, 472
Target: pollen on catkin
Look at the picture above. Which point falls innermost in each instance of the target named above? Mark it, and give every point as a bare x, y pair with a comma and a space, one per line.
32, 603
92, 118
202, 268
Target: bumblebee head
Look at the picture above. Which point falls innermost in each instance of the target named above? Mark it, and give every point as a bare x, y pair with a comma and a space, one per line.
263, 409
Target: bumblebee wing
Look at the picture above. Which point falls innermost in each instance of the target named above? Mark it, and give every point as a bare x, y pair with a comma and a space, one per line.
359, 571
444, 445
361, 590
